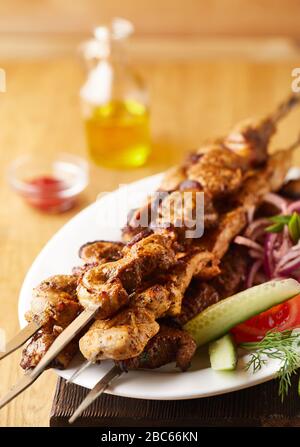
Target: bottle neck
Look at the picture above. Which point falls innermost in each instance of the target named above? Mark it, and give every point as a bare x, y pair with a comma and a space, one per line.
117, 53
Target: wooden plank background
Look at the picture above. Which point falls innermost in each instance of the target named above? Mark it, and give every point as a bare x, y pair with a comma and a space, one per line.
156, 17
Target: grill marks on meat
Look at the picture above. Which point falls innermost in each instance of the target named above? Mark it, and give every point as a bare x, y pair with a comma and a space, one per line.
168, 345
109, 285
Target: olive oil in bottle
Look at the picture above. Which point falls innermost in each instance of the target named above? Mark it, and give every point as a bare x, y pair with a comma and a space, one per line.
118, 134
114, 99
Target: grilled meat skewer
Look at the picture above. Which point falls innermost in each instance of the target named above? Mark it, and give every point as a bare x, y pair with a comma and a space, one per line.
128, 326
96, 345
217, 169
107, 287
55, 303
55, 299
172, 343
54, 306
169, 345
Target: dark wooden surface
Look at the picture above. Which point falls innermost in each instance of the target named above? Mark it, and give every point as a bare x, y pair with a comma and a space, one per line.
256, 406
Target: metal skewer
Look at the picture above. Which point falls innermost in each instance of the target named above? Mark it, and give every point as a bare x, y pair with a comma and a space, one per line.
79, 370
98, 389
61, 341
18, 340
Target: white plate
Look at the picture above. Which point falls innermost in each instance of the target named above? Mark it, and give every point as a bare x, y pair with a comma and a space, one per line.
167, 383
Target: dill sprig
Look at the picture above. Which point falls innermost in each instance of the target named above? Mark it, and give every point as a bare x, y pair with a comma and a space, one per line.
283, 346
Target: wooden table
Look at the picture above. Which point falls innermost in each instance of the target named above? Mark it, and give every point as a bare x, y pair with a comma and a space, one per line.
191, 101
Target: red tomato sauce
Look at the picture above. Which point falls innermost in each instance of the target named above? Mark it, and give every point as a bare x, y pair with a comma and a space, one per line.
46, 194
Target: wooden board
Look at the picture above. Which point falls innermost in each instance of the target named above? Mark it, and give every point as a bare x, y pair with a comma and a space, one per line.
257, 406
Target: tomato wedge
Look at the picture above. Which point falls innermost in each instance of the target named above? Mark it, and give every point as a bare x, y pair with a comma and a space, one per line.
279, 318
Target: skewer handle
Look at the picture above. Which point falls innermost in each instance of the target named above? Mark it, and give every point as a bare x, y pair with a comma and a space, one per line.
62, 340
16, 342
17, 389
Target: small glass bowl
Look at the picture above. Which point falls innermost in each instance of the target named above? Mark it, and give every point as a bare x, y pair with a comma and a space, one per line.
50, 184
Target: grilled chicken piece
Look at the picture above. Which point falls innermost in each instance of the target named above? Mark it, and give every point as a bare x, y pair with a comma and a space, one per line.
178, 210
101, 251
39, 344
80, 270
201, 294
168, 345
217, 169
55, 300
156, 299
121, 337
180, 278
250, 139
109, 285
126, 334
55, 306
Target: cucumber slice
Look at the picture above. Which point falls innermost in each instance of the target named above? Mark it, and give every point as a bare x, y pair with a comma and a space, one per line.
222, 354
219, 318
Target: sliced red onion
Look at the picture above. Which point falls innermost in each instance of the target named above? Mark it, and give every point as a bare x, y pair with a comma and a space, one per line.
268, 254
256, 254
282, 244
290, 267
289, 256
275, 252
277, 201
254, 226
252, 273
294, 206
241, 240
